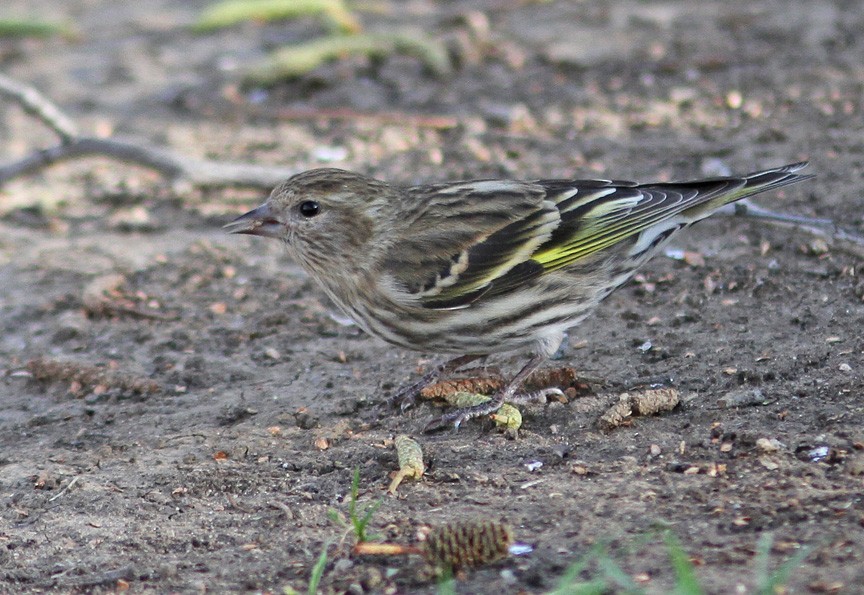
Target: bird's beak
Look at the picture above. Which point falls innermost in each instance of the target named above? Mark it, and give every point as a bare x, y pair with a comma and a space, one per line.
257, 222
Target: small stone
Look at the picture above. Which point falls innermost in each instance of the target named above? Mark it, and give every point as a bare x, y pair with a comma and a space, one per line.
818, 247
743, 397
579, 469
768, 444
769, 463
734, 99
855, 465
131, 219
342, 565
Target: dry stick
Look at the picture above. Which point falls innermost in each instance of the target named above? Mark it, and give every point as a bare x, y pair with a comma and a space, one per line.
849, 242
65, 488
179, 168
35, 104
176, 167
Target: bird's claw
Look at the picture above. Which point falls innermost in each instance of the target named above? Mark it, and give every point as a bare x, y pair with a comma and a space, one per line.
453, 419
408, 394
405, 397
463, 414
541, 396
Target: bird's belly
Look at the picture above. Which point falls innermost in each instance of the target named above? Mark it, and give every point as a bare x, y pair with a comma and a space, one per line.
506, 323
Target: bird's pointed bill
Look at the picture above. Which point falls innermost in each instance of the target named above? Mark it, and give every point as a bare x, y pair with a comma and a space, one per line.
257, 222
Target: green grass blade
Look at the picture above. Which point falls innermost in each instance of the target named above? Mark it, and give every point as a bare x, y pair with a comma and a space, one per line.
31, 28
686, 582
616, 575
769, 583
318, 570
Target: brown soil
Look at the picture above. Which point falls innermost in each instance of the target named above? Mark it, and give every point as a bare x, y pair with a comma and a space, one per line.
222, 479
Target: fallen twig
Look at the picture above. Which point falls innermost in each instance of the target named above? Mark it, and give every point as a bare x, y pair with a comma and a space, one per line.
180, 169
37, 105
847, 241
177, 168
65, 488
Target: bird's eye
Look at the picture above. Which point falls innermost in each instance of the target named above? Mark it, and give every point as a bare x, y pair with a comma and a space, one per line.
309, 208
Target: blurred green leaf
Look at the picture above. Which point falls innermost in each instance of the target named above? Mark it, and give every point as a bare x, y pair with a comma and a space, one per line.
232, 12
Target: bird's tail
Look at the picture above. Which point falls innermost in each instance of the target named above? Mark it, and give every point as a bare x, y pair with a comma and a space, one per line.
770, 179
755, 183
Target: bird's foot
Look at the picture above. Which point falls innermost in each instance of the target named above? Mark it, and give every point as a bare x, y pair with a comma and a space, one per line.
457, 417
538, 396
407, 395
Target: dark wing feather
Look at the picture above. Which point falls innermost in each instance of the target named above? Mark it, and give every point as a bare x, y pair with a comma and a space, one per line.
487, 238
463, 236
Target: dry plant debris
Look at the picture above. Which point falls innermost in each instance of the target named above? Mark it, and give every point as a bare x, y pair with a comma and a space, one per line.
744, 397
346, 38
447, 388
649, 402
296, 60
455, 545
104, 296
468, 543
84, 378
14, 28
565, 378
410, 456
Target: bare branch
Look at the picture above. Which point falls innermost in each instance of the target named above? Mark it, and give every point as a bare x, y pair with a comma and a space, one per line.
847, 241
177, 168
37, 105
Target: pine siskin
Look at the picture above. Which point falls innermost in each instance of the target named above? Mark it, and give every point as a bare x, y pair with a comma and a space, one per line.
483, 266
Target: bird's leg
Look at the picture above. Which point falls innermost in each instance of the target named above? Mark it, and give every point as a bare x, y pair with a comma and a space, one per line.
538, 396
457, 416
407, 395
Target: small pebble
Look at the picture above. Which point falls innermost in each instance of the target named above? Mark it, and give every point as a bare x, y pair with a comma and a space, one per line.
768, 444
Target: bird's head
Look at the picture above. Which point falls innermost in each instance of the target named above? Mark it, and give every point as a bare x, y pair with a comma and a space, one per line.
325, 216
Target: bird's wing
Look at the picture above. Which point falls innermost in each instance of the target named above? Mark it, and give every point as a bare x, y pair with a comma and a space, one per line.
461, 237
499, 235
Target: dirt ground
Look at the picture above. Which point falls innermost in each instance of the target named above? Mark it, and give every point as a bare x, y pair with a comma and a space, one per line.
263, 400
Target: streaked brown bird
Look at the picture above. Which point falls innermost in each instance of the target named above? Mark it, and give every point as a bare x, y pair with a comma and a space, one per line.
483, 266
